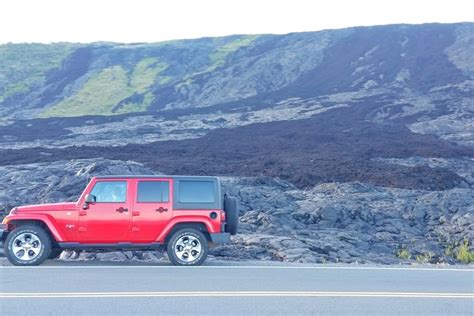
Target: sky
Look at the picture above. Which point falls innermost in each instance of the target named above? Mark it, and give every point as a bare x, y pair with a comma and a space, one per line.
131, 21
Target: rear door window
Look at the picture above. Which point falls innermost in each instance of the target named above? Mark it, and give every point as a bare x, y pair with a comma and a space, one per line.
153, 191
196, 191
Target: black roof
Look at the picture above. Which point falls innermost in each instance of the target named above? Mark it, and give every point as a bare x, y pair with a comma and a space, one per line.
157, 176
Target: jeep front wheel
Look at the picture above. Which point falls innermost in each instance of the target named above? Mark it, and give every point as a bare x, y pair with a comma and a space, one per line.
55, 253
187, 247
27, 245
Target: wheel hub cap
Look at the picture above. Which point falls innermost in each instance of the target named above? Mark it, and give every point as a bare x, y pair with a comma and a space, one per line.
26, 246
188, 248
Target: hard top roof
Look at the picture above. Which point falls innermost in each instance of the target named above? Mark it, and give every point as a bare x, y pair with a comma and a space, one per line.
157, 176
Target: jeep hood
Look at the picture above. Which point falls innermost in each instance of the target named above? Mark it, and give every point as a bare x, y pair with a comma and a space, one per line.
46, 207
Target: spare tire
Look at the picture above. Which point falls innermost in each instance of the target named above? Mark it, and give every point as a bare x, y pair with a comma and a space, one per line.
231, 210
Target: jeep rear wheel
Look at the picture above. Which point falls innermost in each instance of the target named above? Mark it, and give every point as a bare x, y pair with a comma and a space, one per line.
27, 245
187, 247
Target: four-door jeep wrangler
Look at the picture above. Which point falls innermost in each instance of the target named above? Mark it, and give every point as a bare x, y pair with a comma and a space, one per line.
180, 213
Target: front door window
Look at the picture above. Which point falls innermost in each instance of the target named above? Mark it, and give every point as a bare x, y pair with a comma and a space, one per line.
110, 192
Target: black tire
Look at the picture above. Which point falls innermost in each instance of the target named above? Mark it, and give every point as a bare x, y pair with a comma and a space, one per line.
55, 253
31, 234
173, 249
231, 208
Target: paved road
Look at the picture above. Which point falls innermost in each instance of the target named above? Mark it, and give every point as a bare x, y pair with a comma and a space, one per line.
71, 288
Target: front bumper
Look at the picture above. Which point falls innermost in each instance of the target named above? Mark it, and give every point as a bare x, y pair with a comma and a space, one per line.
3, 231
220, 238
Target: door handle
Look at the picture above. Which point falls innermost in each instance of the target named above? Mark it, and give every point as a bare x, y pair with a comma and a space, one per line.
121, 210
161, 210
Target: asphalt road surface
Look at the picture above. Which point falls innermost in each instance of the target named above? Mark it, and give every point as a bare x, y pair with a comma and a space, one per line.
66, 288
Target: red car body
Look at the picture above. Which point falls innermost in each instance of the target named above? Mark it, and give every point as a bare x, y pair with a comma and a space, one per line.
129, 223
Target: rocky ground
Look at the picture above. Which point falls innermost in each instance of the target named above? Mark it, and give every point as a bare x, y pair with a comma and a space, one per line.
330, 222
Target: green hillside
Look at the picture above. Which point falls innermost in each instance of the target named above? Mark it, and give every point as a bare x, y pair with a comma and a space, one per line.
107, 79
25, 66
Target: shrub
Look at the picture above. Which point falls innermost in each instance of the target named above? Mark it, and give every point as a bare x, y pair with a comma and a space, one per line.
463, 253
403, 253
424, 258
449, 251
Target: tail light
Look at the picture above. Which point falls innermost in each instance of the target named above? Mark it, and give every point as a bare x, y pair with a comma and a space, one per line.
223, 216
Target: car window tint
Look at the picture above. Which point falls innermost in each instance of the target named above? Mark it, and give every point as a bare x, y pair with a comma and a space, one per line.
110, 191
196, 192
153, 191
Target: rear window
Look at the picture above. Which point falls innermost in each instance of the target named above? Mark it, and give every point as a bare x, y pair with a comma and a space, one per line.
153, 191
196, 192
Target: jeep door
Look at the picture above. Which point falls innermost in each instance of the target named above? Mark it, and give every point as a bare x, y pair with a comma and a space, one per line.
107, 219
152, 208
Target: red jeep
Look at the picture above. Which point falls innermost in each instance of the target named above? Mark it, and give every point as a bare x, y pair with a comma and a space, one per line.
180, 213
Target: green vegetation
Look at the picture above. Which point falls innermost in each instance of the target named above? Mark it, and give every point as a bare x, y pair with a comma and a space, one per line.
103, 91
162, 80
219, 56
463, 253
145, 73
97, 97
11, 89
23, 66
404, 254
449, 251
424, 258
136, 107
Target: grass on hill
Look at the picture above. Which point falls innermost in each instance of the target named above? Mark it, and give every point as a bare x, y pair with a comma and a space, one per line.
219, 56
24, 66
103, 91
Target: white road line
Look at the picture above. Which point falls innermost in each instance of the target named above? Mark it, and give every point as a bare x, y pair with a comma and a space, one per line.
239, 294
434, 269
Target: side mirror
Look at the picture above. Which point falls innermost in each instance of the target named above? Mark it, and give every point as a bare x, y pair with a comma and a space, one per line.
88, 200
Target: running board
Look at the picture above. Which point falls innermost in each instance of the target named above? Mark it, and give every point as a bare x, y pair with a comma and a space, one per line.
115, 246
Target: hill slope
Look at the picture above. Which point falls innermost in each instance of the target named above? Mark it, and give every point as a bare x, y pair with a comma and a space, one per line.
307, 107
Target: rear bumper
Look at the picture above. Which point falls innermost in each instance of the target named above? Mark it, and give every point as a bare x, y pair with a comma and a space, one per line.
220, 238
